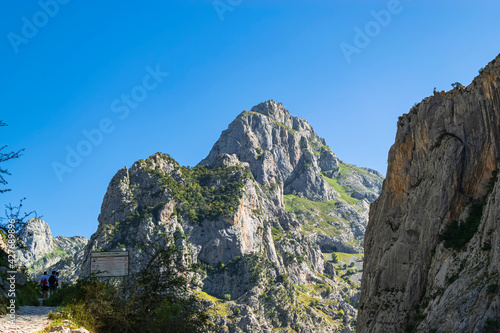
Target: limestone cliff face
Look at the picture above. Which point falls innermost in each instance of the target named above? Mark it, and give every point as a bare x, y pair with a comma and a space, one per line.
422, 270
261, 215
279, 148
44, 252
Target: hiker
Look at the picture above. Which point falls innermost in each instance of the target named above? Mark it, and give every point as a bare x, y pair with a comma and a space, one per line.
45, 285
53, 283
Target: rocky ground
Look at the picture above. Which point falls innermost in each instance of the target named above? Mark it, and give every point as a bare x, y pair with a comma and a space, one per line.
29, 319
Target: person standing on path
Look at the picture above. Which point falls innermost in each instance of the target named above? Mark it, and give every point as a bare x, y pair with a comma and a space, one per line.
53, 283
45, 285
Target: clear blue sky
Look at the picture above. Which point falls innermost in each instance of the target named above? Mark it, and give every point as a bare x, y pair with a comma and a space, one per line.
72, 72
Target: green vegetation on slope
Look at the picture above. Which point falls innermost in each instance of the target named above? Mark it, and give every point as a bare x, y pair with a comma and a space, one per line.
315, 214
344, 195
157, 300
205, 193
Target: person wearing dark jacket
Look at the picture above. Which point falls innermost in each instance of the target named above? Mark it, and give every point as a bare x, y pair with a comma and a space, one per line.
53, 282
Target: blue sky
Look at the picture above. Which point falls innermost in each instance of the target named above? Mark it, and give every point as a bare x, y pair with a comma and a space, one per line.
67, 70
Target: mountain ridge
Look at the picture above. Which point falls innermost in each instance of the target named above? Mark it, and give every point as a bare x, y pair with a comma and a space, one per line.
255, 214
43, 252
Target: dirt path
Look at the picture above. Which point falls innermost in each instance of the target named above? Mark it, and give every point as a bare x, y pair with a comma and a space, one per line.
29, 319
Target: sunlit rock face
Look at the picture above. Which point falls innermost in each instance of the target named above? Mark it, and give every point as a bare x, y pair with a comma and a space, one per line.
423, 271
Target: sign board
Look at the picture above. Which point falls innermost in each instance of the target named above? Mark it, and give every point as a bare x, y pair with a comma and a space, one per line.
108, 264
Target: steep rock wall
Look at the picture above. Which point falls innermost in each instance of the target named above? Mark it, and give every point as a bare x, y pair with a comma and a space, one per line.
441, 169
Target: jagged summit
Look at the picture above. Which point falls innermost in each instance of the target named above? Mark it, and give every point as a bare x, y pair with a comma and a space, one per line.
256, 213
280, 149
272, 109
285, 150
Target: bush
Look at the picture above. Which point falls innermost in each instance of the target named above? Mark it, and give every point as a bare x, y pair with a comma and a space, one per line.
206, 193
314, 303
227, 297
491, 325
335, 258
28, 294
457, 235
492, 289
158, 299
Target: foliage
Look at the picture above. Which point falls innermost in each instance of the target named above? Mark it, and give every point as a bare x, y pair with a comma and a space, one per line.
492, 289
5, 157
14, 213
344, 195
11, 212
491, 325
158, 299
456, 85
28, 294
315, 214
414, 321
314, 302
205, 193
457, 235
227, 297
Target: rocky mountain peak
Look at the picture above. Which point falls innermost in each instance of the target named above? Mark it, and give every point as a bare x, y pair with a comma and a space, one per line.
268, 199
273, 110
280, 149
37, 237
44, 252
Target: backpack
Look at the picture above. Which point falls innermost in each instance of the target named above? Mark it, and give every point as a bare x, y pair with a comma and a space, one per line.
52, 279
45, 282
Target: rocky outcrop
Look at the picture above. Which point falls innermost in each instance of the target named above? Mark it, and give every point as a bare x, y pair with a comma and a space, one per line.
256, 216
43, 252
432, 254
279, 149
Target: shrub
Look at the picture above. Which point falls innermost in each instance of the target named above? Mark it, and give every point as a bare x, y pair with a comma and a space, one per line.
314, 302
28, 294
227, 297
415, 320
335, 258
158, 299
457, 235
492, 289
236, 311
491, 325
198, 196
